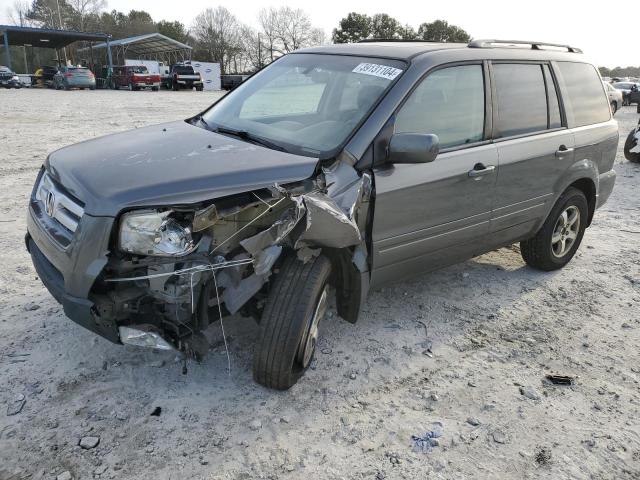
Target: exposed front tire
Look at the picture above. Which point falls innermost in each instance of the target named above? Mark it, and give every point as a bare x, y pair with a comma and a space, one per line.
628, 145
556, 242
289, 324
614, 108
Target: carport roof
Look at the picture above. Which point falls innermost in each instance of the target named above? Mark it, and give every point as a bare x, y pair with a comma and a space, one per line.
147, 44
47, 37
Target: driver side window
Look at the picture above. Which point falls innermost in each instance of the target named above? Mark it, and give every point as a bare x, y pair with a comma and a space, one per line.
448, 103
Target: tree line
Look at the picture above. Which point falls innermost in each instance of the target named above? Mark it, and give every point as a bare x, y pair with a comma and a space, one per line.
620, 72
216, 35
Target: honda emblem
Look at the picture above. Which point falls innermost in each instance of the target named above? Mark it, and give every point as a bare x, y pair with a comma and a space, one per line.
50, 203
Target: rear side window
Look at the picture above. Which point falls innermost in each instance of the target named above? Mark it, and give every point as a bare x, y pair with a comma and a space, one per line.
586, 96
448, 103
521, 99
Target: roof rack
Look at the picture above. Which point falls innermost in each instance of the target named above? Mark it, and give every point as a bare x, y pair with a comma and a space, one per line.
491, 43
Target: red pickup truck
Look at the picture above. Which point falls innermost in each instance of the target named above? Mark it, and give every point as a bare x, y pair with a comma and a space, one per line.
135, 77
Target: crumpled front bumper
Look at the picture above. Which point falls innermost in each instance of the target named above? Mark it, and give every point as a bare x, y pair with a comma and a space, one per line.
70, 272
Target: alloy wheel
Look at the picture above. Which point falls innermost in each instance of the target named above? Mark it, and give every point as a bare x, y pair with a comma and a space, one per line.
308, 343
565, 231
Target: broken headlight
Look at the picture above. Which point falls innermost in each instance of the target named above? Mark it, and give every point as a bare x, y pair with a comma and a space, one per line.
151, 232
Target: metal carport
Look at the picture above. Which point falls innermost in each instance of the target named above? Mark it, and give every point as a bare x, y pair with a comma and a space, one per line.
47, 38
152, 46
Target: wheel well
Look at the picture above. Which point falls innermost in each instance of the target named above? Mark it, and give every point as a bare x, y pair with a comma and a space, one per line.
586, 186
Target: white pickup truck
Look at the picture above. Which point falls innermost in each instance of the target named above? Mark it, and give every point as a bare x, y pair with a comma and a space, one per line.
180, 76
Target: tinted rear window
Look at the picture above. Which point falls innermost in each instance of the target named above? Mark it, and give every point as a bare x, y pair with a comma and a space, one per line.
521, 99
183, 70
585, 92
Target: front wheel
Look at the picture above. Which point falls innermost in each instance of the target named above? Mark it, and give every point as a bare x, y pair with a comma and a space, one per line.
289, 325
556, 242
628, 145
614, 108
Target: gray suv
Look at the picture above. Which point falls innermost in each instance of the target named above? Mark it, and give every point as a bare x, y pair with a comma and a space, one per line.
349, 166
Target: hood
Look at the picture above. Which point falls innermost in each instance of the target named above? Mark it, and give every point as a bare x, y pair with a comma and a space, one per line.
172, 163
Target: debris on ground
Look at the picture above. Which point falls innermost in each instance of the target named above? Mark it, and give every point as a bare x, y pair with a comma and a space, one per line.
530, 393
543, 456
560, 379
426, 442
16, 405
89, 442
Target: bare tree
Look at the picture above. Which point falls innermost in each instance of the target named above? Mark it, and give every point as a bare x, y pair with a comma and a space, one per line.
286, 29
255, 52
268, 21
83, 9
218, 32
294, 29
18, 12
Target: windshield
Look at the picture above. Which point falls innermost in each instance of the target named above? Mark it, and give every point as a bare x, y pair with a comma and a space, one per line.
622, 86
306, 103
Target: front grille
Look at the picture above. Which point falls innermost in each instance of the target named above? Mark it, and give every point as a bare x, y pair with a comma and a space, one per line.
56, 204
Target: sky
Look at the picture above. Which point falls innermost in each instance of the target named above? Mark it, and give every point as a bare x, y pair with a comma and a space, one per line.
599, 31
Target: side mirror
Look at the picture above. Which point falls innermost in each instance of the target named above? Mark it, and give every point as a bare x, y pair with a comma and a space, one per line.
413, 148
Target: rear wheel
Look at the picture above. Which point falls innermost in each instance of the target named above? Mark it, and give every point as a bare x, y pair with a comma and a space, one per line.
154, 89
628, 145
295, 307
556, 242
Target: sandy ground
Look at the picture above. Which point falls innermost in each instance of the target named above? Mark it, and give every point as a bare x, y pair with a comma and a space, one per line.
496, 328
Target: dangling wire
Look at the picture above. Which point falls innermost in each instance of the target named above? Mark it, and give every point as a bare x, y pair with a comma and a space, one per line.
224, 337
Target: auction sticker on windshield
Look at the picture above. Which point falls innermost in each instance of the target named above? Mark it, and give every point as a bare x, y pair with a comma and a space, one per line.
377, 70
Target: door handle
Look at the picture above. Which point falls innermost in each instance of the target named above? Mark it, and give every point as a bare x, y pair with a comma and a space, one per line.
480, 170
563, 150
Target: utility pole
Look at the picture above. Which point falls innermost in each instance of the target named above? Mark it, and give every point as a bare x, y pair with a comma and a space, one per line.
64, 49
259, 52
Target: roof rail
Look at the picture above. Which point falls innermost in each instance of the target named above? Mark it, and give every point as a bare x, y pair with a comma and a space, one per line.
491, 43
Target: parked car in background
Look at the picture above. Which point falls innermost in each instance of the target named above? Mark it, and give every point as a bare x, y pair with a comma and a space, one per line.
354, 165
182, 75
8, 79
74, 77
229, 82
134, 77
43, 76
615, 97
625, 88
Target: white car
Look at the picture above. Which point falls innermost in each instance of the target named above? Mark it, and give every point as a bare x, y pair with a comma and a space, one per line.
615, 97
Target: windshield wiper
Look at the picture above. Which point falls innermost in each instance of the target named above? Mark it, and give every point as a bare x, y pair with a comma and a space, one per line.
244, 135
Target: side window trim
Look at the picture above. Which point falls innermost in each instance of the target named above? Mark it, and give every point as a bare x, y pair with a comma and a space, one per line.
556, 83
495, 138
488, 109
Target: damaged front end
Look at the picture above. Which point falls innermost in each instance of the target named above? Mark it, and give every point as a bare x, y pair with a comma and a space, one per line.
178, 269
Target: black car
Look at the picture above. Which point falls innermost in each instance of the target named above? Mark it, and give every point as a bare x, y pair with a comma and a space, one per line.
8, 79
229, 82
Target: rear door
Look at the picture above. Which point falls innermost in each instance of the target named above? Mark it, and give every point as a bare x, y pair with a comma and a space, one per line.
433, 214
534, 147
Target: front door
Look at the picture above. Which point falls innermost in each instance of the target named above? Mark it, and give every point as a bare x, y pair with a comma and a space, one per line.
433, 214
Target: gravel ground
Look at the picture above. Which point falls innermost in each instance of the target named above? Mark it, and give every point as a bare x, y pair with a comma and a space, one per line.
495, 328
